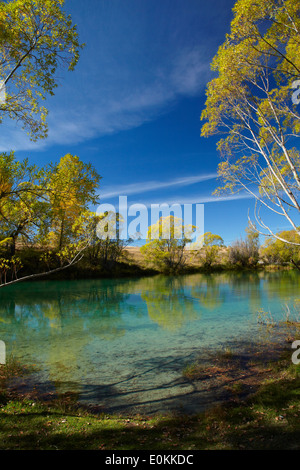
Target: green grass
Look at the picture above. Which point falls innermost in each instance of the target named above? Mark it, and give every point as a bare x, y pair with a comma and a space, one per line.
268, 419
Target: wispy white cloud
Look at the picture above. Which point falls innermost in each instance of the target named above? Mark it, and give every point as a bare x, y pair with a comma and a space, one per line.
130, 103
194, 199
146, 186
105, 106
190, 72
14, 138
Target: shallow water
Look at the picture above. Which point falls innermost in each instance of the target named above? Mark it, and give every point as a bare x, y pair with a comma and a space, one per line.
122, 344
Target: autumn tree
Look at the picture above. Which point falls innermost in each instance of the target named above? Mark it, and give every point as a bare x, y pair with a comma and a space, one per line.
211, 245
46, 207
72, 188
23, 200
279, 252
36, 37
251, 102
106, 247
165, 248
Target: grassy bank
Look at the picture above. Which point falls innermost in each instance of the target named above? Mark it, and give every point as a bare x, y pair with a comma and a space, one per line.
267, 416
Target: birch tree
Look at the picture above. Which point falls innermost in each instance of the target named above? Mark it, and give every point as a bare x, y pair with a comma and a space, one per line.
252, 104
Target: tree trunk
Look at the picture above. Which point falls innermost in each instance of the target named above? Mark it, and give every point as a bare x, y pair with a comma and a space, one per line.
12, 248
295, 264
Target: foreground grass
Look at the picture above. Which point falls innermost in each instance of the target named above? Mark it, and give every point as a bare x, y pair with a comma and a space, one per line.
269, 419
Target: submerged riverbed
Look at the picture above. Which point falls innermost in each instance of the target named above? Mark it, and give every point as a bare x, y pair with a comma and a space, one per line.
121, 344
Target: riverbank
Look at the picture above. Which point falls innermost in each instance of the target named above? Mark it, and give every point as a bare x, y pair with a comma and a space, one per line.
133, 265
260, 409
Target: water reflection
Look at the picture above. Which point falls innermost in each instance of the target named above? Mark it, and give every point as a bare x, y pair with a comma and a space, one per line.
82, 331
169, 301
282, 285
50, 306
208, 291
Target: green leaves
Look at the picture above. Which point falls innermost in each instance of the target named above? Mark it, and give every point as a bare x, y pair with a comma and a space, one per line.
278, 251
11, 266
36, 38
72, 188
45, 205
166, 245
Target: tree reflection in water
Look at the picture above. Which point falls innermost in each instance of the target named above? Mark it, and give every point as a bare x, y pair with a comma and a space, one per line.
97, 329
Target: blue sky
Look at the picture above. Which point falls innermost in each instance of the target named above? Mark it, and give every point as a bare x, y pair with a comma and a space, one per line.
132, 106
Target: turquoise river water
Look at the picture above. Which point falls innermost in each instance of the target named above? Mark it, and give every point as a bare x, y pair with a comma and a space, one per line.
121, 345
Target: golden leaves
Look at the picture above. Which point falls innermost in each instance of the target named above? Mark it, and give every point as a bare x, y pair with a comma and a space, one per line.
36, 37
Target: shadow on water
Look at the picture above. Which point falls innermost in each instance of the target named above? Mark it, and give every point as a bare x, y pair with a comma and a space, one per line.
129, 395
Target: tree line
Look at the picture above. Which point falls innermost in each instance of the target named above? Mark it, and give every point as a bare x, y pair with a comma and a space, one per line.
47, 224
209, 251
